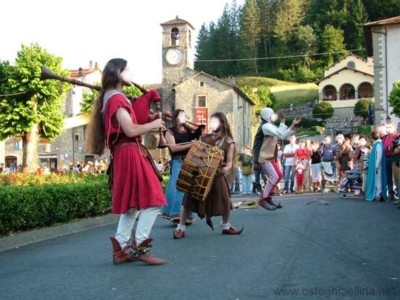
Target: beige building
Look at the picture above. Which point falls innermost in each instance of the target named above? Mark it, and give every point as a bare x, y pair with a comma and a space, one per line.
347, 81
383, 44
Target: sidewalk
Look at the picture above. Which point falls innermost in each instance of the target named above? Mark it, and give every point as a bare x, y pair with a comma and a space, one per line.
20, 239
25, 238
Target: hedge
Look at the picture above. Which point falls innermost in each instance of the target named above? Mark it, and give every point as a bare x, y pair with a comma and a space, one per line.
27, 207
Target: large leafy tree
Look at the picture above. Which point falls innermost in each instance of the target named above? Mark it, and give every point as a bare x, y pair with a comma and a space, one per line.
394, 98
262, 97
89, 97
33, 108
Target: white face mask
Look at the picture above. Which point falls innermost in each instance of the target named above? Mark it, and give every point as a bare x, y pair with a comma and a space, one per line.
215, 124
126, 76
182, 118
273, 118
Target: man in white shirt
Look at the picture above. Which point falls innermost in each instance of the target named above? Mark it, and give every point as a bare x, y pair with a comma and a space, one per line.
269, 150
289, 161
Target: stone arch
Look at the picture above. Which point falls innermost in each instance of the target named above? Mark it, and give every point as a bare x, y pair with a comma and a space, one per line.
329, 93
175, 36
365, 90
150, 141
347, 91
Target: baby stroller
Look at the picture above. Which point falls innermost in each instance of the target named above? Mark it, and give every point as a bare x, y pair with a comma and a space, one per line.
352, 182
328, 176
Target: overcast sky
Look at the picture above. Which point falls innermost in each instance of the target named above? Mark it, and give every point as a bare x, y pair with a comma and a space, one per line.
83, 30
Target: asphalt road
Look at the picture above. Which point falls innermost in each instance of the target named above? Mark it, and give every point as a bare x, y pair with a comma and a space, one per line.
348, 249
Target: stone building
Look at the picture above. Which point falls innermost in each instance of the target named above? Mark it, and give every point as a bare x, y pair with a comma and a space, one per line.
198, 93
383, 44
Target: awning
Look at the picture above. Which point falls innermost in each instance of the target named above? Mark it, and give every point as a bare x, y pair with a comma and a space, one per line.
77, 121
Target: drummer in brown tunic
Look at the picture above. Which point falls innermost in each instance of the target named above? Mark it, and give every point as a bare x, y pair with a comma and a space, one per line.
218, 202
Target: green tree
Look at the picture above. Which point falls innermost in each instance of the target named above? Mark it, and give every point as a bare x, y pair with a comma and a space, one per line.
262, 97
89, 97
323, 110
250, 33
394, 98
377, 9
359, 17
332, 43
361, 108
37, 111
289, 15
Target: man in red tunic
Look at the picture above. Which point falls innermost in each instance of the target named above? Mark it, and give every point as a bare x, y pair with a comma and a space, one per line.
136, 189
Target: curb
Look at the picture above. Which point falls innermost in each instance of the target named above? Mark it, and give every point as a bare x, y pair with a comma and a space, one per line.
38, 235
21, 239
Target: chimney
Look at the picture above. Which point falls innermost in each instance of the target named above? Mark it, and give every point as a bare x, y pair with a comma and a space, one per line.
90, 64
80, 72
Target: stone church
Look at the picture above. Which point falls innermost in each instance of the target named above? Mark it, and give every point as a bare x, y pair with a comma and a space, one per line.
198, 93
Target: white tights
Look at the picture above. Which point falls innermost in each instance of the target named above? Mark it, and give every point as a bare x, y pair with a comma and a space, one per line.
146, 220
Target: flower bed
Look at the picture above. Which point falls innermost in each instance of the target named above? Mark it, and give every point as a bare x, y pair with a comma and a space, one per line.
29, 201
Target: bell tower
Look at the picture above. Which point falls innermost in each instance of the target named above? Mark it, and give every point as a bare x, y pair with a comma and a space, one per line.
177, 56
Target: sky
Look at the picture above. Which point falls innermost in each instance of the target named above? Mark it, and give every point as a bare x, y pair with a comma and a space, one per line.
84, 30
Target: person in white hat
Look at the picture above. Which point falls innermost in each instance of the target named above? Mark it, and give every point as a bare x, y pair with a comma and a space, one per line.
269, 150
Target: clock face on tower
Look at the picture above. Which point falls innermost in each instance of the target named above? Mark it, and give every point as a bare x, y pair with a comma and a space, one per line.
173, 56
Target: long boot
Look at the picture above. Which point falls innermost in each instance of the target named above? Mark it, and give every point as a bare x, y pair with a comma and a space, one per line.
120, 256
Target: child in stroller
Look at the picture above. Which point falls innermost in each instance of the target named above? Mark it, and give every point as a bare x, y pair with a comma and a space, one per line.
351, 182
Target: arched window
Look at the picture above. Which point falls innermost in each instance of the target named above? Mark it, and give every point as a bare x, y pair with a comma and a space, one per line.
175, 36
351, 64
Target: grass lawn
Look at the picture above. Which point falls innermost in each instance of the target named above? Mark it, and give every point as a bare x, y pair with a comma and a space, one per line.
286, 92
296, 94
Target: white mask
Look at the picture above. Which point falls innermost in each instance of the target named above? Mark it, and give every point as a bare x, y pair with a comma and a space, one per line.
274, 117
215, 124
182, 118
126, 76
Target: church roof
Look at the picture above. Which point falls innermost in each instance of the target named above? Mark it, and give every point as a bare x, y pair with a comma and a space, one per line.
177, 21
368, 31
234, 87
342, 69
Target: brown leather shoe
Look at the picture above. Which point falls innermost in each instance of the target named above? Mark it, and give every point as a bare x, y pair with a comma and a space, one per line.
264, 204
151, 259
178, 234
232, 230
120, 256
142, 253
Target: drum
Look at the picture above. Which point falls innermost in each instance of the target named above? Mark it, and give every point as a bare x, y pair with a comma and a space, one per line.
199, 169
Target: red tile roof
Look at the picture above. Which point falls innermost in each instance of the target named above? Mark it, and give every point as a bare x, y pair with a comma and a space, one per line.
389, 21
368, 31
75, 73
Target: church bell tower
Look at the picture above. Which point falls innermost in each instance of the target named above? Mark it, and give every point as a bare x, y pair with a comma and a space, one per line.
177, 56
